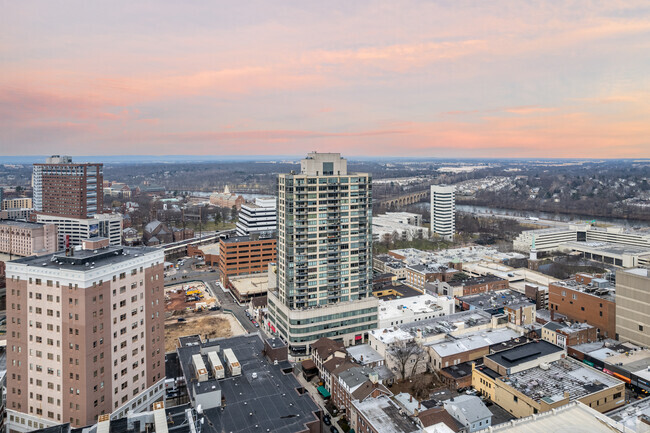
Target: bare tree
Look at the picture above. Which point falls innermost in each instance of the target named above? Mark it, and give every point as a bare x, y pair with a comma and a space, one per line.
404, 352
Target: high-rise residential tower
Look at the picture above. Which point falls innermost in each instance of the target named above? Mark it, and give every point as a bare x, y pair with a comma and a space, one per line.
62, 188
443, 210
85, 335
324, 255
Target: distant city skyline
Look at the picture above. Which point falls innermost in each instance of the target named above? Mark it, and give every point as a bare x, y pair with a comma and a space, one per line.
409, 79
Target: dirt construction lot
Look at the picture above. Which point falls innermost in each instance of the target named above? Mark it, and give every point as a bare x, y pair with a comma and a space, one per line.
175, 298
207, 326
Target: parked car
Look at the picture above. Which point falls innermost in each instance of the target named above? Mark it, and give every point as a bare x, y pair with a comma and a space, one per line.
327, 420
257, 325
333, 429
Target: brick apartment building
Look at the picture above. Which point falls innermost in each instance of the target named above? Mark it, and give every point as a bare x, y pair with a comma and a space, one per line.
585, 299
241, 255
475, 285
85, 330
418, 275
66, 189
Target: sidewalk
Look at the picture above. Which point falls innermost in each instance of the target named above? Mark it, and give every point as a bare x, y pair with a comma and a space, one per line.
315, 395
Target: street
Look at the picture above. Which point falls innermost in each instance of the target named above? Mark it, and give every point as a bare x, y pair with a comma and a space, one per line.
185, 273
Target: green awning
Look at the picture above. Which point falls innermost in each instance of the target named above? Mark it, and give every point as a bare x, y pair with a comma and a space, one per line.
324, 392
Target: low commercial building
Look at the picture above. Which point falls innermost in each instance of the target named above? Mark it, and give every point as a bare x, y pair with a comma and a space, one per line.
633, 306
394, 226
474, 285
625, 361
430, 331
572, 417
209, 252
470, 411
635, 416
23, 239
418, 275
468, 347
251, 392
247, 287
413, 309
537, 377
381, 415
243, 255
590, 300
565, 335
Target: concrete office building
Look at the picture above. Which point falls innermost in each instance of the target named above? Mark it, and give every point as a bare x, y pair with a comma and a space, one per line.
443, 210
27, 239
72, 231
633, 306
85, 332
259, 217
62, 188
324, 255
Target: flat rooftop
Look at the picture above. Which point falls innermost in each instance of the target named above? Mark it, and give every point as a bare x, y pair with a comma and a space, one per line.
274, 397
524, 353
364, 354
565, 375
212, 249
250, 284
419, 304
606, 248
605, 291
573, 417
476, 280
434, 326
496, 299
643, 272
21, 224
403, 290
628, 414
473, 341
238, 239
385, 416
475, 253
86, 260
459, 371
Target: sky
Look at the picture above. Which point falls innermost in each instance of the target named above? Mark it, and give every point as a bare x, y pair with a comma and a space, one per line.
448, 78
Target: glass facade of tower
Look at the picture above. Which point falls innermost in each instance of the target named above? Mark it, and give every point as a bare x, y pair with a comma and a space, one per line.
324, 254
324, 245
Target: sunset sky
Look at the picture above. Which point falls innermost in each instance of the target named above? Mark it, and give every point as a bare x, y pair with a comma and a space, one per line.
442, 78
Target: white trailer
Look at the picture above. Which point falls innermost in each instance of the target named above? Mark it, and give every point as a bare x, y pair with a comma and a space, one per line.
199, 367
233, 364
217, 367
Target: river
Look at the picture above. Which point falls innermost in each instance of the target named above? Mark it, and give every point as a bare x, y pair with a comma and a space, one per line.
487, 210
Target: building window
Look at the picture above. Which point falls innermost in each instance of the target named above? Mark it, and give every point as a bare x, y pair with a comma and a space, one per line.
640, 327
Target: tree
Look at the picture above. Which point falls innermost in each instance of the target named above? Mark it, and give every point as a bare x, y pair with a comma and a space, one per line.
404, 352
